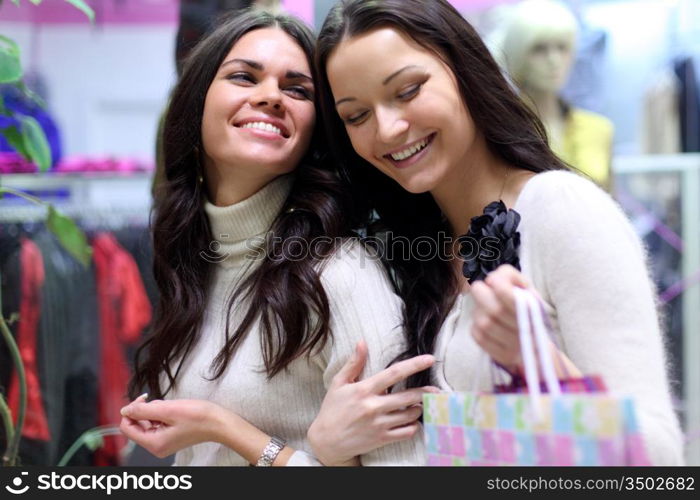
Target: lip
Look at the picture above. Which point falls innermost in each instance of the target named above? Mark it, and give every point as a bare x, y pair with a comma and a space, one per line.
416, 157
264, 119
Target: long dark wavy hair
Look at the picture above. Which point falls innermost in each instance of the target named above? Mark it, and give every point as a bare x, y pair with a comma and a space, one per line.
512, 132
286, 295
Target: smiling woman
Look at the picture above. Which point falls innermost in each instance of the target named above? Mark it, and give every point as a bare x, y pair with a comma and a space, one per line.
247, 338
259, 109
433, 140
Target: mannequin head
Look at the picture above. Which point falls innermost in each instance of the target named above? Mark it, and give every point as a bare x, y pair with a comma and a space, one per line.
539, 45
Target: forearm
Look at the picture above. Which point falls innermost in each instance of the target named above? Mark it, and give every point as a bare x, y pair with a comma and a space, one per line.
244, 438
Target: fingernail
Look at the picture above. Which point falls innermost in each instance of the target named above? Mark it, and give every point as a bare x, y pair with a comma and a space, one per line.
124, 411
432, 389
428, 359
144, 396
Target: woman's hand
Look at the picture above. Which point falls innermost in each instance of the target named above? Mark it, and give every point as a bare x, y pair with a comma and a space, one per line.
357, 417
164, 427
495, 322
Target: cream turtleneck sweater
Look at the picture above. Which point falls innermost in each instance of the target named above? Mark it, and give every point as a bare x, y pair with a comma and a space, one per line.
362, 304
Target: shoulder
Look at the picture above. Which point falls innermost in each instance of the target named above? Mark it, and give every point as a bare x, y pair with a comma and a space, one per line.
353, 265
560, 187
562, 203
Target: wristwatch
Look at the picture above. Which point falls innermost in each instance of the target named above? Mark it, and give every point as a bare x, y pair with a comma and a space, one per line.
270, 452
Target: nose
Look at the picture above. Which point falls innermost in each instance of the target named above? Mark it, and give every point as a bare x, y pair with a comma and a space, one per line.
391, 125
268, 94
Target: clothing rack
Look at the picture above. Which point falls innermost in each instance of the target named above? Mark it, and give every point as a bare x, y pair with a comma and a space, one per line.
108, 200
687, 167
107, 218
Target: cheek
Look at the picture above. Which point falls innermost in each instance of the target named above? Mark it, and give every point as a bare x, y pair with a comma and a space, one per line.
305, 122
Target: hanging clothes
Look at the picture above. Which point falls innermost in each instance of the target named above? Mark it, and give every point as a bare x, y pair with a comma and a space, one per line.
661, 123
124, 312
587, 144
584, 88
32, 269
68, 350
689, 105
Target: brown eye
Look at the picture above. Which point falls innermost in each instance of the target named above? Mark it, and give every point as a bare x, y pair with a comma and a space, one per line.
299, 92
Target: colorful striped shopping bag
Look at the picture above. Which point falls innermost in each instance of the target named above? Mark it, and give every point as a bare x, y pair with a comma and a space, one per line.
535, 427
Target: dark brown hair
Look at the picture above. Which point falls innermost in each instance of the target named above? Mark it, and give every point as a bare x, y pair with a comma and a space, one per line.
286, 295
512, 132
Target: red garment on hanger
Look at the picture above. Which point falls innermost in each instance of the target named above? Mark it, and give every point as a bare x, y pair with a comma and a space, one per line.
32, 272
124, 312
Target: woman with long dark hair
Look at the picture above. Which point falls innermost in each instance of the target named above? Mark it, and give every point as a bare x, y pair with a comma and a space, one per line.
432, 141
262, 296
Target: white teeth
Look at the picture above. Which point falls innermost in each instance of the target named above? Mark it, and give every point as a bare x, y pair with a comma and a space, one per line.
408, 152
263, 126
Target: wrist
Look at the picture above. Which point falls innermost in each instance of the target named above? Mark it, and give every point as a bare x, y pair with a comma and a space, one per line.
315, 437
221, 424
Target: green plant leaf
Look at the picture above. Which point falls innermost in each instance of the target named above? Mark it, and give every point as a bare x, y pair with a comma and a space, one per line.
29, 94
93, 440
36, 2
14, 138
84, 8
69, 235
3, 109
35, 142
10, 65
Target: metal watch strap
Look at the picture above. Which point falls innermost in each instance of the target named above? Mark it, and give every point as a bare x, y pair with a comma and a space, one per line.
270, 452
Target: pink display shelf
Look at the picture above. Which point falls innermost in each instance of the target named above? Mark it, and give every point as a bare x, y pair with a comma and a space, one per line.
118, 11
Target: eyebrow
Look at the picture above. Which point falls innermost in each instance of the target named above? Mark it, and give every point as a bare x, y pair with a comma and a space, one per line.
257, 66
386, 81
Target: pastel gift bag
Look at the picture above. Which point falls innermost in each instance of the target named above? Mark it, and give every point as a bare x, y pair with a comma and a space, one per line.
538, 425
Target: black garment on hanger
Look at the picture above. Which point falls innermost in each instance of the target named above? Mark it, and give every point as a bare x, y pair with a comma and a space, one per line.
689, 105
68, 357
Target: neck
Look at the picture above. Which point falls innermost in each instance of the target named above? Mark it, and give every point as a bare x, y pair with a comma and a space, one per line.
477, 182
229, 189
544, 103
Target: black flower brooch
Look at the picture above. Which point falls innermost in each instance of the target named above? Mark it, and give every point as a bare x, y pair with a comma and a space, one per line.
492, 240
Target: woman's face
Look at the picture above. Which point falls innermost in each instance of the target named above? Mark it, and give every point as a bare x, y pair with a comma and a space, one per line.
401, 107
259, 110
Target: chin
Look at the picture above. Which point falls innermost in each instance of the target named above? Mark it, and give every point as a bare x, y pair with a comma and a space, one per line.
416, 185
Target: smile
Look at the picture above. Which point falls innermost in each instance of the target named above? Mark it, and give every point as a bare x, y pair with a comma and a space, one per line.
268, 126
263, 126
412, 150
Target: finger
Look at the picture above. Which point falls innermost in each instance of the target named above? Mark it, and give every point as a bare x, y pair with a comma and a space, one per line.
499, 310
399, 371
401, 417
501, 354
353, 367
506, 337
147, 411
403, 399
131, 429
401, 433
509, 274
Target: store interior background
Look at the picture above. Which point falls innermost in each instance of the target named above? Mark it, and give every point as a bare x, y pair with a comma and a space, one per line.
106, 85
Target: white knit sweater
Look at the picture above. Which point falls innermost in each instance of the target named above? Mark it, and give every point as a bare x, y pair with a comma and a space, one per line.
581, 254
362, 306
